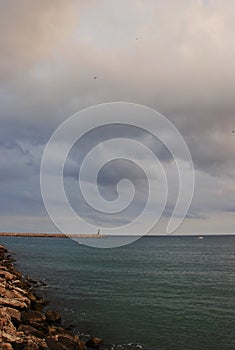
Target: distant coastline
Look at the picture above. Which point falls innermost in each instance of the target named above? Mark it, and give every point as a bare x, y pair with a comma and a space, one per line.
50, 235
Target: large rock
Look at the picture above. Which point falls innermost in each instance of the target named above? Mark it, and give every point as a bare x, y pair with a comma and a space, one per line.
38, 304
31, 342
64, 342
94, 343
32, 316
7, 275
21, 291
14, 294
7, 346
53, 317
67, 340
29, 330
3, 249
8, 332
41, 326
14, 303
14, 314
53, 343
15, 272
80, 344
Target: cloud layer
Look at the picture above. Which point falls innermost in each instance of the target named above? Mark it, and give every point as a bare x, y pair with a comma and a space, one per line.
176, 57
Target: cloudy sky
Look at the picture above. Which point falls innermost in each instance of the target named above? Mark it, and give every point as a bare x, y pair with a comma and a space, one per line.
58, 57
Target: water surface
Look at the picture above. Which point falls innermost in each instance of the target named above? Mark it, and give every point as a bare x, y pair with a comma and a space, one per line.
158, 293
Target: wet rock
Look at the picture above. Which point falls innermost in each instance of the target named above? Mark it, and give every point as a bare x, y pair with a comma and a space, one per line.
53, 317
8, 332
80, 344
53, 343
31, 343
7, 346
14, 314
67, 340
13, 294
16, 272
94, 343
17, 283
6, 275
21, 291
31, 280
14, 303
64, 342
32, 316
52, 330
29, 330
31, 296
39, 304
3, 249
41, 326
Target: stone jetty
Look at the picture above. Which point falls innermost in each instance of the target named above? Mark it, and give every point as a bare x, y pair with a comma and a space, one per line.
23, 323
50, 235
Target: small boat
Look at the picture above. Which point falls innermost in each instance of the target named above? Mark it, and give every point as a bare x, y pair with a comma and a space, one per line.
200, 237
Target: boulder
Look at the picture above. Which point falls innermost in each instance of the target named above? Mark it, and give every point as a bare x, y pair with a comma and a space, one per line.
14, 294
31, 343
8, 333
53, 317
94, 343
29, 330
80, 344
15, 272
39, 304
17, 283
6, 346
14, 303
11, 338
31, 280
14, 314
41, 326
53, 344
7, 275
64, 342
20, 290
3, 249
32, 316
31, 296
52, 330
67, 340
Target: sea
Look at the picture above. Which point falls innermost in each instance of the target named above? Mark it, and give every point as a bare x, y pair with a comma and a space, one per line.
158, 293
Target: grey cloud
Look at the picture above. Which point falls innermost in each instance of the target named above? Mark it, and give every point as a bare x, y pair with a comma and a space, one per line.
181, 65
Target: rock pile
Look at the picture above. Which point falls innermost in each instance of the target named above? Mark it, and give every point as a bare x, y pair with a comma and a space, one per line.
23, 324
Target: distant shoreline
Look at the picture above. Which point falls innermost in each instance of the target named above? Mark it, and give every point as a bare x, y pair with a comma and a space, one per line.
49, 235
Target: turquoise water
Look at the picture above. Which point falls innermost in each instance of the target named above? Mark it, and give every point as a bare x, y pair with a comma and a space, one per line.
158, 293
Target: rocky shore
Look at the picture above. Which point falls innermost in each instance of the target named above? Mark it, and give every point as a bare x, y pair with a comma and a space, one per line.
23, 323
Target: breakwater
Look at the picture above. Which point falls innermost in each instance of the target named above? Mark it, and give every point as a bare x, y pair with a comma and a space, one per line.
50, 235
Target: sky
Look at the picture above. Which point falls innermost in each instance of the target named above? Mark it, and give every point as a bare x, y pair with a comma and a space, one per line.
176, 57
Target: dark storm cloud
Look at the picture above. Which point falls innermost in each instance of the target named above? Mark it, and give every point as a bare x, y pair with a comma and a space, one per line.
101, 134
